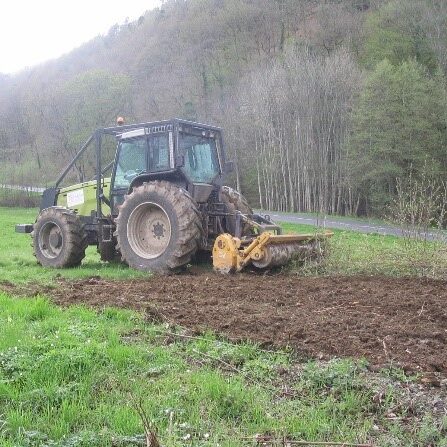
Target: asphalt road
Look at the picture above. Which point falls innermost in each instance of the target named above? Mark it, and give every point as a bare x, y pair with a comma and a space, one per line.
344, 224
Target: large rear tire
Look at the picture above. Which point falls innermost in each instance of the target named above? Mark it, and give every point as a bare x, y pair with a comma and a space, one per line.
234, 201
59, 239
159, 227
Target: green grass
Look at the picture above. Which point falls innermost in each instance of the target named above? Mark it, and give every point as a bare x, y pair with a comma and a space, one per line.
18, 264
70, 377
348, 253
352, 253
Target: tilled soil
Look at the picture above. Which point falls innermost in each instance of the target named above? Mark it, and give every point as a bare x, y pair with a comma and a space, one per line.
400, 321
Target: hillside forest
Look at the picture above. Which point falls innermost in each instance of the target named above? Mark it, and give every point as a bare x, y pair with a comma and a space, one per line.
327, 105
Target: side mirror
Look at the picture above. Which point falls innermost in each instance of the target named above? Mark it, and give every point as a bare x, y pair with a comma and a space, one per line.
229, 167
180, 161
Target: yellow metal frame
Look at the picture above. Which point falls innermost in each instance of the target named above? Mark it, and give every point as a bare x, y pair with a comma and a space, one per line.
228, 256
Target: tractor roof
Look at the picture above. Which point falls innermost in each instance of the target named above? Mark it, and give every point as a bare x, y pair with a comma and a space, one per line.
127, 130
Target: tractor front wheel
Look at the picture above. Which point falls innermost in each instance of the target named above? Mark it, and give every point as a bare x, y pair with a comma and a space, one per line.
158, 228
59, 239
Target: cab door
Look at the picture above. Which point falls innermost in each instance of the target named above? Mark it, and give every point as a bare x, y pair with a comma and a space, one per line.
131, 160
161, 156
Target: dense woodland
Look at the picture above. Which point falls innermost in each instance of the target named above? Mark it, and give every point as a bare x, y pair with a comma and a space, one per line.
327, 105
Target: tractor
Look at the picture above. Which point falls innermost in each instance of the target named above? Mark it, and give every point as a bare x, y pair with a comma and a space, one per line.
160, 204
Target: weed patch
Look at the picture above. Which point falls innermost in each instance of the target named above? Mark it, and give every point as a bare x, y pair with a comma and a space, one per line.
351, 253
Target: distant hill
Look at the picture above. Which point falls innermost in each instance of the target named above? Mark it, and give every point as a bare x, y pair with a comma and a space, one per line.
281, 76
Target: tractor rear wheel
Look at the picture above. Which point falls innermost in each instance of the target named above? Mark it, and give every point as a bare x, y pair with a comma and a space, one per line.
234, 201
159, 227
59, 239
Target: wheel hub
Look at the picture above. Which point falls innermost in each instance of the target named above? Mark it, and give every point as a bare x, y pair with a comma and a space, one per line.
55, 239
149, 230
50, 240
159, 230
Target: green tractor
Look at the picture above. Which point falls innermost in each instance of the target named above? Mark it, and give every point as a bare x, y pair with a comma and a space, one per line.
163, 204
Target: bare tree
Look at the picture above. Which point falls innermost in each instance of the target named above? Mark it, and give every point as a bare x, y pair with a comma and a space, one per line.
300, 109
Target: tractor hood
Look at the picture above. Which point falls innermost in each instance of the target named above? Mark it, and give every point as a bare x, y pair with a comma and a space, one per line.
81, 197
89, 184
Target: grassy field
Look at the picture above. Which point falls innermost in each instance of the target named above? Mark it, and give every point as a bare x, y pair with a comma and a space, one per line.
348, 253
18, 264
74, 377
352, 253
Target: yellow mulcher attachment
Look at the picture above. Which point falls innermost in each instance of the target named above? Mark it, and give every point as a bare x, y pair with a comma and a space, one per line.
268, 249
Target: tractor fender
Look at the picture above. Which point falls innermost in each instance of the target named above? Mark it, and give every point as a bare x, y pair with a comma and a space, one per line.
171, 177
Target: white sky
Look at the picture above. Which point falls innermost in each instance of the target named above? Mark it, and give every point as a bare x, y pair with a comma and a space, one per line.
33, 31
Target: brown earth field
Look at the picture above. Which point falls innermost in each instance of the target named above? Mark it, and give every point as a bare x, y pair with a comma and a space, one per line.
397, 321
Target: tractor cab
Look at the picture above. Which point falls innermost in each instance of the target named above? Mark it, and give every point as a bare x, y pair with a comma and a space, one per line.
187, 154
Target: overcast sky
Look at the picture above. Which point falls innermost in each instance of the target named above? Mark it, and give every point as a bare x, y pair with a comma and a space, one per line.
33, 31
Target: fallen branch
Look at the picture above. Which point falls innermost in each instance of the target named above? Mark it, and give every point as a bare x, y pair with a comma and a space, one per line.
333, 444
422, 309
217, 359
150, 434
327, 309
286, 442
191, 337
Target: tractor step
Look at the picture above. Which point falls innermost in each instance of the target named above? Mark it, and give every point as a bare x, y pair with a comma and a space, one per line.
24, 228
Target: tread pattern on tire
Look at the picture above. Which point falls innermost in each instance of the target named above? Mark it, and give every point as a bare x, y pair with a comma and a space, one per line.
75, 242
235, 201
190, 230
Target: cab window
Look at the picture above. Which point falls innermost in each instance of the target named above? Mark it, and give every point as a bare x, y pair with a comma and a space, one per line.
131, 161
159, 153
201, 159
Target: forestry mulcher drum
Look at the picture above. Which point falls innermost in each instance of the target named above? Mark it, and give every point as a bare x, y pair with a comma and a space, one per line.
159, 204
